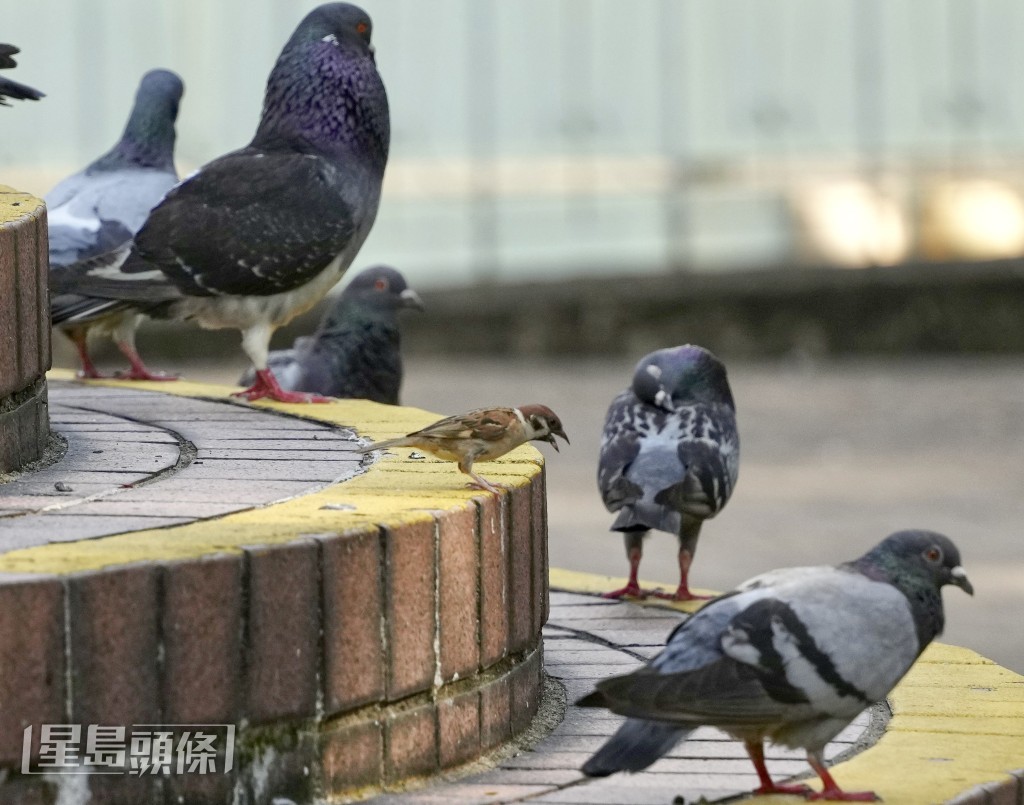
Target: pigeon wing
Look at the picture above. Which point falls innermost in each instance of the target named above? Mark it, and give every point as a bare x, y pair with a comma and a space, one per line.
487, 424
620, 445
250, 223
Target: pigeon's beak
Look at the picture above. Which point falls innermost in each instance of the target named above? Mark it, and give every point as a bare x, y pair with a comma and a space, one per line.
411, 299
958, 576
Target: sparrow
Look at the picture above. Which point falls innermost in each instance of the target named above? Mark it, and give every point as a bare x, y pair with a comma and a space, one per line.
483, 434
790, 656
669, 455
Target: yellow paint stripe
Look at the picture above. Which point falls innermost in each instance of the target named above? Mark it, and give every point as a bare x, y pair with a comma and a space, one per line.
958, 722
573, 581
395, 490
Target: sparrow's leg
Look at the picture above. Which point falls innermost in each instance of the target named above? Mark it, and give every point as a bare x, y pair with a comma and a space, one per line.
79, 337
256, 343
831, 791
635, 551
687, 548
466, 466
756, 751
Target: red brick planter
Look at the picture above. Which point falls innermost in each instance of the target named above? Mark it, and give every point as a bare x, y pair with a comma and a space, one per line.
345, 660
24, 329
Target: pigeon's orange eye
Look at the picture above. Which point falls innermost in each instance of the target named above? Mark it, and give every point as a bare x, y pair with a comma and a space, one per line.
362, 28
933, 554
381, 285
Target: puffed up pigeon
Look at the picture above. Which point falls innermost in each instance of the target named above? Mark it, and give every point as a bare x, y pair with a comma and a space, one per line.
355, 352
791, 656
259, 235
669, 455
102, 207
12, 89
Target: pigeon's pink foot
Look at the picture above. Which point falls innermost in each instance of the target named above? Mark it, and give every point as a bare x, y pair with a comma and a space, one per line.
267, 388
631, 590
139, 371
832, 792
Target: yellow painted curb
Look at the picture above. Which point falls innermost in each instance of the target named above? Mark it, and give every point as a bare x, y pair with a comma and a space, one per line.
957, 722
394, 490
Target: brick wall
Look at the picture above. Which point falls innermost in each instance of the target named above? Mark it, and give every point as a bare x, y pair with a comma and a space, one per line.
24, 329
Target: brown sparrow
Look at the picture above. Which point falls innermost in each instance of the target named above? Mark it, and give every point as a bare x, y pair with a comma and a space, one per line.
481, 435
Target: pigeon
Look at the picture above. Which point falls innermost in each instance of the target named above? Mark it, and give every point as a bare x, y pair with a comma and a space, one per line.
354, 354
481, 435
259, 235
669, 455
791, 656
102, 206
12, 89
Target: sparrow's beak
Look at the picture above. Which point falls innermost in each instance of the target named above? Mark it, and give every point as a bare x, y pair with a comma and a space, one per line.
411, 299
550, 439
958, 576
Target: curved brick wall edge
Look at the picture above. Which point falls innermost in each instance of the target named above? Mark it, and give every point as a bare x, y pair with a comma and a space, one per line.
347, 659
24, 329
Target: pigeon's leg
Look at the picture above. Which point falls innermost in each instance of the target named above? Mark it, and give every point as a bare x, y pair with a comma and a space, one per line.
687, 548
831, 791
266, 387
256, 343
124, 337
635, 552
756, 751
80, 338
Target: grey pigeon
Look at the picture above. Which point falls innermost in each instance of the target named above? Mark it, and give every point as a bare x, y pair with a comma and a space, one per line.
669, 455
791, 656
355, 352
102, 206
259, 235
12, 89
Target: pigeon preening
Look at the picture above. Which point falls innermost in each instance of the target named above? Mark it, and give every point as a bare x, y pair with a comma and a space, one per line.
791, 657
355, 352
259, 235
101, 207
669, 455
12, 89
483, 434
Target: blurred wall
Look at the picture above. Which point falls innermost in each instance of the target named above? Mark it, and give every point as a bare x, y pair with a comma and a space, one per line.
541, 138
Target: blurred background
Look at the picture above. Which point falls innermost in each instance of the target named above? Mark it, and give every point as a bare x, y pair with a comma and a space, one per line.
828, 195
547, 138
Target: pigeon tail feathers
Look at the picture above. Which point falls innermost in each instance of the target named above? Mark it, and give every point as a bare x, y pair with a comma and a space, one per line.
635, 746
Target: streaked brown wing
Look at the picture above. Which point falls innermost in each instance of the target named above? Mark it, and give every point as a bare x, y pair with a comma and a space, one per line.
488, 424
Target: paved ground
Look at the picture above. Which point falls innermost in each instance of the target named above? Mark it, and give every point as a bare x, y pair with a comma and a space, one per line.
137, 460
588, 639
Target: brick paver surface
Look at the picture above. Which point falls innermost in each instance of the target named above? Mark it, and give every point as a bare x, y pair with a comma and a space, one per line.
138, 460
588, 639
